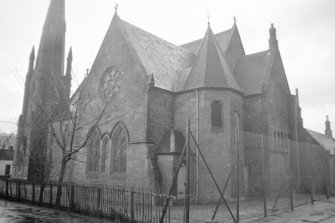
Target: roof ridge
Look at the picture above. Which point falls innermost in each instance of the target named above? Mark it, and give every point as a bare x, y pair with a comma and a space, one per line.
200, 39
157, 37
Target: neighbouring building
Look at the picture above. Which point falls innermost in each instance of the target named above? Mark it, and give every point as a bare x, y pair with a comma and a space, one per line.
6, 161
231, 98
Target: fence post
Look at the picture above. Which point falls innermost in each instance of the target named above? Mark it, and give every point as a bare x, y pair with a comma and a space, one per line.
42, 186
132, 203
7, 187
98, 198
312, 191
51, 195
327, 187
33, 198
72, 205
18, 190
263, 177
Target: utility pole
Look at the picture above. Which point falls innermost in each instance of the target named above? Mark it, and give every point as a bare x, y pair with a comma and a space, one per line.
263, 177
187, 189
237, 173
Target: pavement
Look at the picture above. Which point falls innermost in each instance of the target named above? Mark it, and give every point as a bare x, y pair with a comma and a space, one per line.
251, 211
322, 211
12, 212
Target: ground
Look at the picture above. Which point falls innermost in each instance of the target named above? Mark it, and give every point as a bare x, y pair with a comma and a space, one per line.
12, 212
250, 212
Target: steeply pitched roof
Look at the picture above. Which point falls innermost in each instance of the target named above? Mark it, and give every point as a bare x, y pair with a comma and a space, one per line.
50, 56
327, 142
210, 68
222, 38
251, 71
159, 57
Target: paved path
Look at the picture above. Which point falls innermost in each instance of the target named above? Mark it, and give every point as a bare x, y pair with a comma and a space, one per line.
12, 212
322, 211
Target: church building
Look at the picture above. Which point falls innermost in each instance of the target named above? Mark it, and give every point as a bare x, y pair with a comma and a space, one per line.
231, 99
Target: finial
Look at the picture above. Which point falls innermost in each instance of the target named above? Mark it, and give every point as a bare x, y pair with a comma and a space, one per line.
116, 7
32, 53
69, 57
327, 118
234, 20
208, 19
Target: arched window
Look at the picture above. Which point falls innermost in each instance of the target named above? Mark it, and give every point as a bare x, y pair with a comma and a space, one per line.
104, 154
119, 149
216, 113
93, 151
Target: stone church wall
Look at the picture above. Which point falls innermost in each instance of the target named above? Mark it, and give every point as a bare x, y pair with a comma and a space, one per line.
216, 143
160, 114
129, 107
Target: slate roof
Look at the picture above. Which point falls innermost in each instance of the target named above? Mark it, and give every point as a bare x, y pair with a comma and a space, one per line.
159, 57
327, 142
251, 71
223, 38
172, 66
210, 68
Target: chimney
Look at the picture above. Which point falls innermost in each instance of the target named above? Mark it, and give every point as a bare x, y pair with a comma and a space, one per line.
273, 43
328, 131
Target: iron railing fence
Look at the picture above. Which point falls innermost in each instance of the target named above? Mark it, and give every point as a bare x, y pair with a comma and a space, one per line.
119, 203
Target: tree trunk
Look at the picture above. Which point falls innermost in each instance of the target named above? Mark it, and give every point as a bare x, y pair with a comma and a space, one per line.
60, 182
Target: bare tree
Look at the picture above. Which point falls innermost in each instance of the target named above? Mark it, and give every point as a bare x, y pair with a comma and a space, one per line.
71, 129
5, 140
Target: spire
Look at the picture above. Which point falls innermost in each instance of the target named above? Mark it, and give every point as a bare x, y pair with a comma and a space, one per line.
31, 61
50, 58
273, 43
27, 85
328, 131
210, 68
69, 64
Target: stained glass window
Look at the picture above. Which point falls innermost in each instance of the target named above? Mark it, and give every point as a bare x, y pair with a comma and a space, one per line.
93, 151
104, 154
119, 149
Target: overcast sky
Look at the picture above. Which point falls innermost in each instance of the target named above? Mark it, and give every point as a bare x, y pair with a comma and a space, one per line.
305, 31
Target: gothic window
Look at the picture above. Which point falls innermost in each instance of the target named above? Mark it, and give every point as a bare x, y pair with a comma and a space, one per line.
281, 139
216, 113
93, 151
104, 154
119, 149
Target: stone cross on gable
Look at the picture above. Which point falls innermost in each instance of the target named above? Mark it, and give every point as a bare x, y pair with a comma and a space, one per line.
116, 7
208, 19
